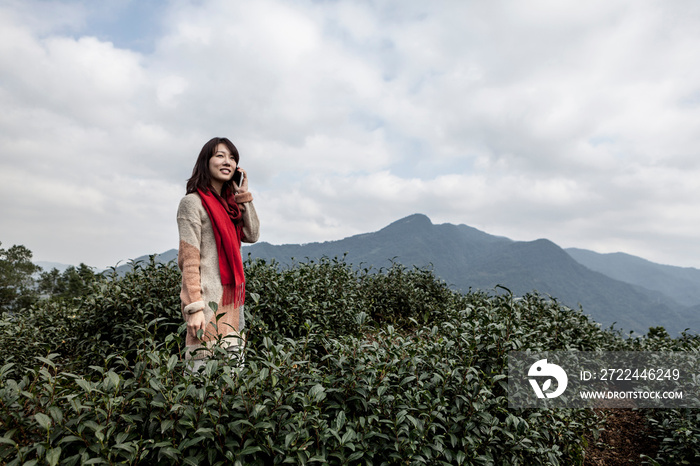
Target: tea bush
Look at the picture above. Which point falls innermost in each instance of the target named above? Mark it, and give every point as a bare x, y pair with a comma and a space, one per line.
323, 293
343, 366
45, 328
126, 315
330, 293
400, 296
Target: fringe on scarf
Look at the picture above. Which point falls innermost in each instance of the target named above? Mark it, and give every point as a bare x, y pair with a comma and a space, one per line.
233, 294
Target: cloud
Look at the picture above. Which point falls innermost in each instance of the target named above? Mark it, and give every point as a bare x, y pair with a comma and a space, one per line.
572, 121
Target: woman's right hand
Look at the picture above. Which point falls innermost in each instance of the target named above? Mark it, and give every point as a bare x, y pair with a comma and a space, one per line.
195, 323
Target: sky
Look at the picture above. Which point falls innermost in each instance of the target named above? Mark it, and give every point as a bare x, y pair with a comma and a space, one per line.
574, 121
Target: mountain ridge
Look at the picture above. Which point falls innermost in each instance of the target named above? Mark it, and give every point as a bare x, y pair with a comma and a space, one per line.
681, 281
606, 287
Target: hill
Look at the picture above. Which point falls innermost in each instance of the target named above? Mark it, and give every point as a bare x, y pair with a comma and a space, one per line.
679, 282
632, 293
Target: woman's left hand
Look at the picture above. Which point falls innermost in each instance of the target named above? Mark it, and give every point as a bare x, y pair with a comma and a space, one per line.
243, 188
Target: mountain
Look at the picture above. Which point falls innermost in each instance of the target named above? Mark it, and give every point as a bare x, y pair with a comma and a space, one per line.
632, 293
683, 283
164, 257
47, 266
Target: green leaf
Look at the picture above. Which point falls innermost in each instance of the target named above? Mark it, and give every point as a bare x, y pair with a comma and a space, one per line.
289, 438
317, 392
408, 379
84, 384
347, 437
95, 461
170, 452
171, 362
43, 420
113, 378
46, 361
250, 450
7, 441
53, 455
166, 425
125, 447
340, 420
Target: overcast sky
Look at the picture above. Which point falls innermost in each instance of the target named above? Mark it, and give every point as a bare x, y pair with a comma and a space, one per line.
573, 121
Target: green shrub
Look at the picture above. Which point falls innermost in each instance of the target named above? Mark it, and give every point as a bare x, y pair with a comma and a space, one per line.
324, 293
45, 327
400, 296
335, 371
128, 314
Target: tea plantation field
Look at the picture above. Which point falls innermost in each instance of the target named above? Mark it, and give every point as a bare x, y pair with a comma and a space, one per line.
342, 366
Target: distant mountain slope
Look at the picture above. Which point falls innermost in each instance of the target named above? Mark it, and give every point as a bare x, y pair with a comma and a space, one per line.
168, 256
681, 283
543, 266
413, 240
467, 258
46, 266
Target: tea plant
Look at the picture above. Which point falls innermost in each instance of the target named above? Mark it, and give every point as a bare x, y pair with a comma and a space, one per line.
342, 366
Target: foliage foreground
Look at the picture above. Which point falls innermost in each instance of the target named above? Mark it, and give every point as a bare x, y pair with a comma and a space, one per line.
342, 366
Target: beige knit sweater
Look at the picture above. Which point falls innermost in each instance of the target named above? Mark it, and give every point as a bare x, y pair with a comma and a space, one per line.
201, 282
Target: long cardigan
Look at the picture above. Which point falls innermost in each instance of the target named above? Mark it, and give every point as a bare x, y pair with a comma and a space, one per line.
201, 281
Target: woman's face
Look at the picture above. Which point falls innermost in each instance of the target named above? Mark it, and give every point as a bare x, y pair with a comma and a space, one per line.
222, 165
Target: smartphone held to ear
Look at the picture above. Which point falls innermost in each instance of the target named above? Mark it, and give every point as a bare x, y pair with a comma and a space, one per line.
237, 177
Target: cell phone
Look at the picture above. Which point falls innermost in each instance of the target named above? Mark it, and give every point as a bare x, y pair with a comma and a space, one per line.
237, 177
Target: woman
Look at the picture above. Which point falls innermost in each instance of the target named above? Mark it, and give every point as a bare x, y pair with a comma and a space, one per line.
215, 216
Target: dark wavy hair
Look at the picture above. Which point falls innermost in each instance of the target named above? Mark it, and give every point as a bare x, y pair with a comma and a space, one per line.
201, 177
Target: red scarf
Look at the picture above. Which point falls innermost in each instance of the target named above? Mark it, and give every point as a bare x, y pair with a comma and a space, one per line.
225, 216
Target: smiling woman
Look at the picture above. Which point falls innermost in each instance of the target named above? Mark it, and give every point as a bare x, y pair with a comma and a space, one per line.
215, 216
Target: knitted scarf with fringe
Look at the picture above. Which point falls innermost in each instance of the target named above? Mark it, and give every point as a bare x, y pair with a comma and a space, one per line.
225, 216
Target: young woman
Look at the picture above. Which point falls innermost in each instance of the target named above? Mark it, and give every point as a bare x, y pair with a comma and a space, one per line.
215, 216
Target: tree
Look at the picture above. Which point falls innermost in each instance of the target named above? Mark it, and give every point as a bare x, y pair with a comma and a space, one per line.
73, 282
49, 283
17, 290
